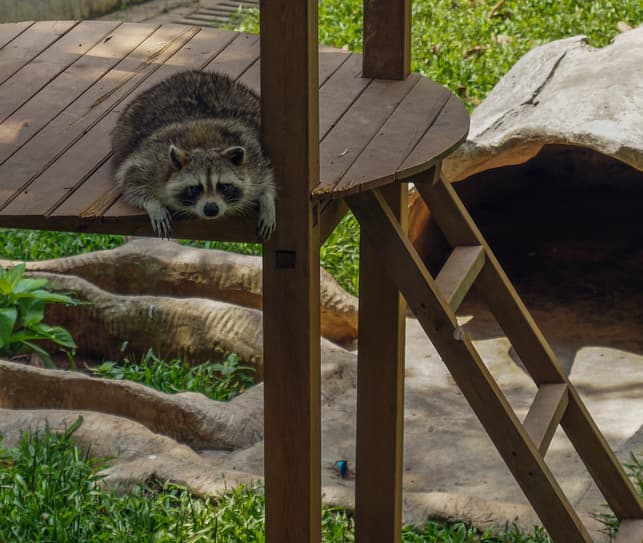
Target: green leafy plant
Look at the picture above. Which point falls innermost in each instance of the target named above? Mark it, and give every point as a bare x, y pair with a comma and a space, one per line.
22, 310
217, 380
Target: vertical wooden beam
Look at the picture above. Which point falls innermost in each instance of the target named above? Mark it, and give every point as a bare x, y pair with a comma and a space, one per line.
387, 39
289, 94
380, 392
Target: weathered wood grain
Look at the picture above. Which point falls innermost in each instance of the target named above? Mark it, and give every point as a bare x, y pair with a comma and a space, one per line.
29, 44
292, 413
387, 38
380, 391
32, 77
10, 31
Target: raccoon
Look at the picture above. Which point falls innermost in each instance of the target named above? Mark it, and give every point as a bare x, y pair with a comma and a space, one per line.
191, 145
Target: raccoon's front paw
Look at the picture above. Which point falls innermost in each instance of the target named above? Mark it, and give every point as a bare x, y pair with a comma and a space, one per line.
267, 223
161, 219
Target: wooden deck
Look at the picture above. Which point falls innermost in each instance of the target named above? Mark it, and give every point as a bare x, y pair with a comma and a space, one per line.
64, 83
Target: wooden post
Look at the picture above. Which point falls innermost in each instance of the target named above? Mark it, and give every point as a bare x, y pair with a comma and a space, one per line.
380, 392
380, 378
289, 94
387, 39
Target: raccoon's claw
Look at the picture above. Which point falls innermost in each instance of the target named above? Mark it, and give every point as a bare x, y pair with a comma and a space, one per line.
265, 227
267, 217
161, 220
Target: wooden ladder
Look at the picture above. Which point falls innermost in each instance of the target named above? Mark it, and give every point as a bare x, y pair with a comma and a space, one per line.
434, 301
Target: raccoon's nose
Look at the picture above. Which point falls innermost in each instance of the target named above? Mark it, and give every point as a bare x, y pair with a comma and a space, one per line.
210, 209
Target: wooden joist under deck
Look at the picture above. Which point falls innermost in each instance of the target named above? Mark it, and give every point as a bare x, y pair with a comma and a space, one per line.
64, 83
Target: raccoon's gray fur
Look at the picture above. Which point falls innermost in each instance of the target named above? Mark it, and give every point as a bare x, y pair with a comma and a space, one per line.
191, 144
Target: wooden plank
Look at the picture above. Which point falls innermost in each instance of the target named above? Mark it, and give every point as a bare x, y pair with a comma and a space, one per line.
90, 108
380, 392
30, 44
600, 461
252, 77
91, 198
492, 283
395, 140
26, 82
545, 414
329, 61
405, 266
237, 57
10, 31
387, 38
59, 93
449, 130
228, 229
459, 272
292, 413
356, 128
338, 93
630, 531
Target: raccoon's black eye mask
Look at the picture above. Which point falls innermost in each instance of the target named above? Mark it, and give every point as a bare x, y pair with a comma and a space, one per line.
230, 193
189, 195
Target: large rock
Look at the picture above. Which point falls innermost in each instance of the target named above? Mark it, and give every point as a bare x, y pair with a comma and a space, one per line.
159, 267
567, 93
193, 329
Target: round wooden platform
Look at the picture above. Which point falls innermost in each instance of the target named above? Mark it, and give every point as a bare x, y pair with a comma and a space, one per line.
64, 83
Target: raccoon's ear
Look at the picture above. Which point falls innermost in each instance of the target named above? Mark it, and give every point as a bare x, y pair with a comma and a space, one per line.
178, 157
236, 155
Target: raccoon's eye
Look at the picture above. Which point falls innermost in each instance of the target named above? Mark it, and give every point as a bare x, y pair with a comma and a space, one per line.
230, 193
193, 192
189, 195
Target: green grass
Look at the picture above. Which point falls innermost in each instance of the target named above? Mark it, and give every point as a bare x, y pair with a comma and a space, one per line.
468, 45
218, 381
50, 491
41, 244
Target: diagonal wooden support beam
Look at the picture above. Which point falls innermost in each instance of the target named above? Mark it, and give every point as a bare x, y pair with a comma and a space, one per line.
406, 268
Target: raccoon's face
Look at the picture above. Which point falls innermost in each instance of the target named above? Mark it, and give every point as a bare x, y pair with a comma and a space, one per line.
207, 183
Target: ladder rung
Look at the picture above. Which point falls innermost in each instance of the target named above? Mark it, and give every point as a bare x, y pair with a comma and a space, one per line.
545, 414
631, 531
459, 272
